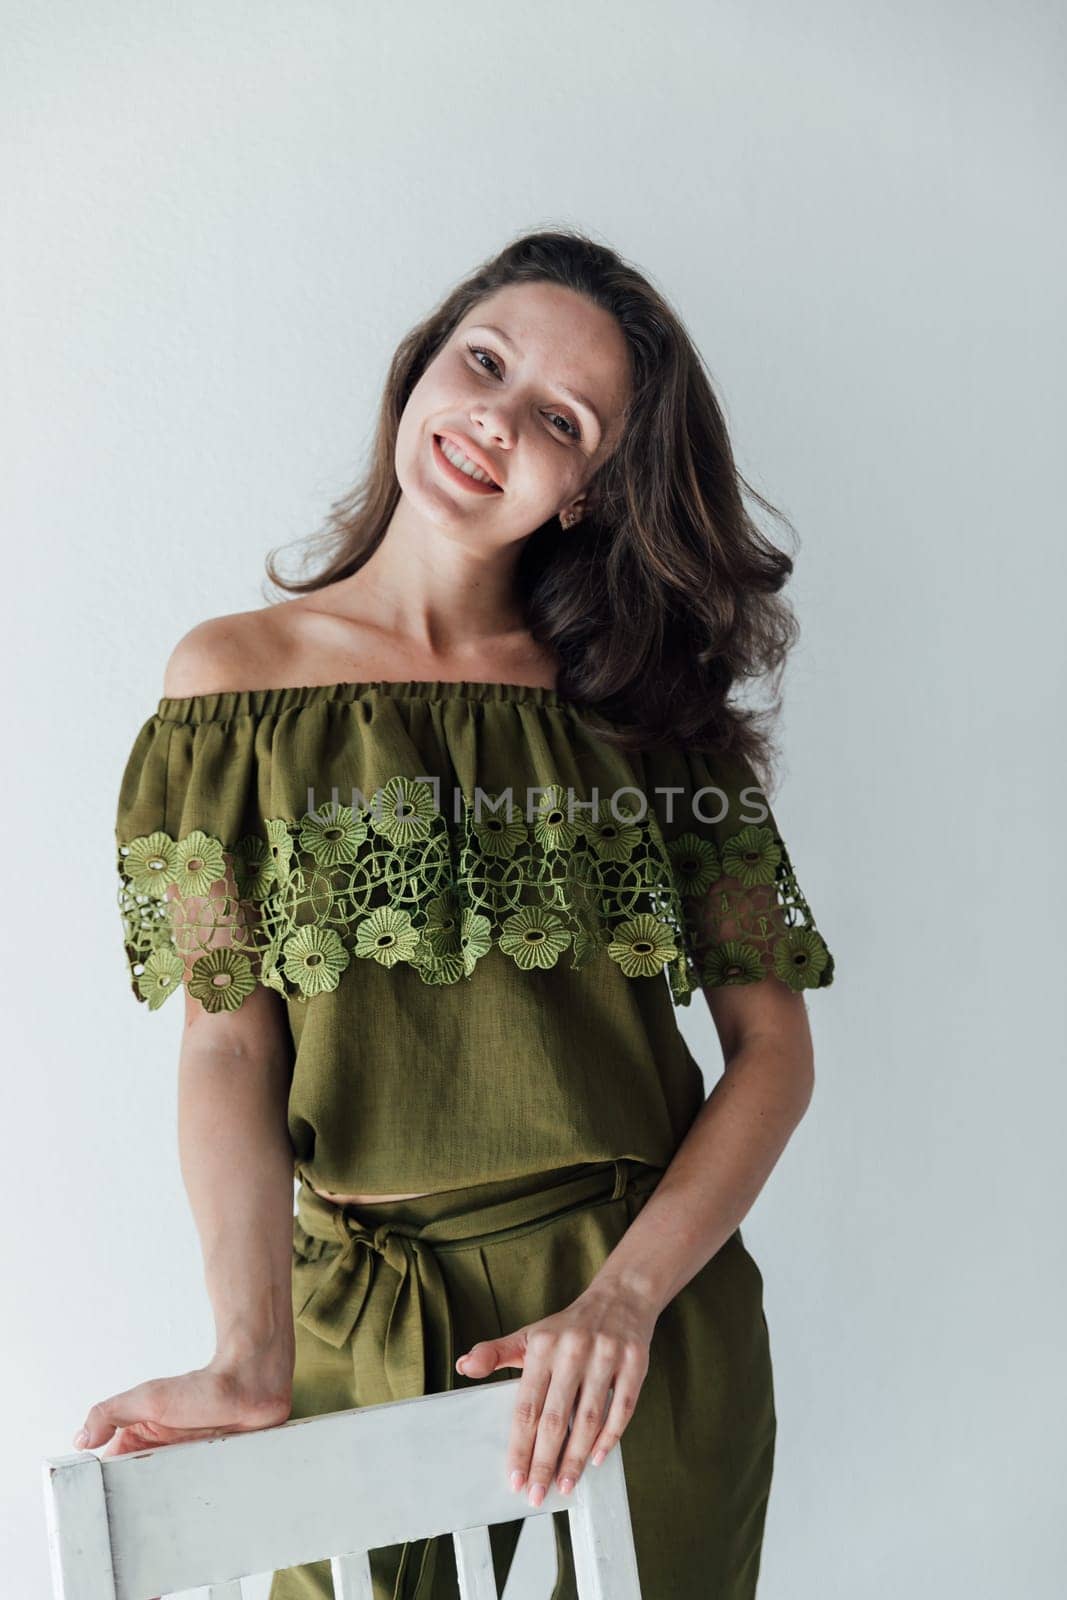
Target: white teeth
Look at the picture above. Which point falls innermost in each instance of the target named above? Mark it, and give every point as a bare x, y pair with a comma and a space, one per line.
458, 459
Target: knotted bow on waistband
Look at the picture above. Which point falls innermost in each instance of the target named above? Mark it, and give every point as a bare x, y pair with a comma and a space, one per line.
417, 1333
419, 1298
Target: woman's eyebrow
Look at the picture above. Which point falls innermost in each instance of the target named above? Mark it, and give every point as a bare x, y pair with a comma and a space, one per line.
572, 394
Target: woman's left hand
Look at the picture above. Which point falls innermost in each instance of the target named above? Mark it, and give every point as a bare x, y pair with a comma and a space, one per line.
569, 1361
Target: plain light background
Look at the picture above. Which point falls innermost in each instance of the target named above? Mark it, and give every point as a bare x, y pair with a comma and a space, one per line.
218, 222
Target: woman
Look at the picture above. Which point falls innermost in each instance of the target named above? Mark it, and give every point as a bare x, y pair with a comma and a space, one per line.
435, 848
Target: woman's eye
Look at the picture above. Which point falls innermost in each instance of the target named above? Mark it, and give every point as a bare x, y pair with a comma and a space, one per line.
575, 434
476, 351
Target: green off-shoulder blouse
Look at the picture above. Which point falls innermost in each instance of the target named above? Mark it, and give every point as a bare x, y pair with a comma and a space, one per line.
481, 916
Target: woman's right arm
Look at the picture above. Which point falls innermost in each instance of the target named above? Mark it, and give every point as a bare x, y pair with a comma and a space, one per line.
237, 1165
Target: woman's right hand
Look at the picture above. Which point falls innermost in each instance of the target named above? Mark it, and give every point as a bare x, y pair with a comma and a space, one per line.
205, 1403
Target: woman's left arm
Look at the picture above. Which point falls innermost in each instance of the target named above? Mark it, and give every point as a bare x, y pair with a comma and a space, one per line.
732, 1147
602, 1339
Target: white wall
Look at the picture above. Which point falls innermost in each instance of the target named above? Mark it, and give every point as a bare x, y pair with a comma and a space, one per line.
219, 219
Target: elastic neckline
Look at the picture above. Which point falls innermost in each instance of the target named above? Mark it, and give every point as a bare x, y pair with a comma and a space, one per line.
238, 702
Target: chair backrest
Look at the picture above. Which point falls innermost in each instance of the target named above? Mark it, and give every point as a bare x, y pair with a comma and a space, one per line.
206, 1513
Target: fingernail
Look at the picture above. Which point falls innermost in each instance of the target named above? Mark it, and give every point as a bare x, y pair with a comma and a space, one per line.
537, 1494
81, 1439
566, 1485
518, 1478
598, 1456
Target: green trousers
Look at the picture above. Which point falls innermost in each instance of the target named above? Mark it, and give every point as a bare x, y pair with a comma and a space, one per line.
387, 1295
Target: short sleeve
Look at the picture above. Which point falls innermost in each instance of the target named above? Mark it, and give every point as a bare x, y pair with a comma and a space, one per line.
194, 864
745, 914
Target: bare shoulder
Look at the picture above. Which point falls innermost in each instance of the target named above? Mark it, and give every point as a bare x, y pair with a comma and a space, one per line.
243, 650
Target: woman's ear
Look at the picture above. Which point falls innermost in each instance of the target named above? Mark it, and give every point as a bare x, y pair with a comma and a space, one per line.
572, 513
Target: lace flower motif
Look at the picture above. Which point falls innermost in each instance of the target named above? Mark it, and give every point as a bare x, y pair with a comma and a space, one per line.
298, 904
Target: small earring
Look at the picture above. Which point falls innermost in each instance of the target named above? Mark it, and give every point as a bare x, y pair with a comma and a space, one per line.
567, 519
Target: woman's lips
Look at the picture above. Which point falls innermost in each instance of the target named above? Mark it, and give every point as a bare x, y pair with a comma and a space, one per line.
454, 474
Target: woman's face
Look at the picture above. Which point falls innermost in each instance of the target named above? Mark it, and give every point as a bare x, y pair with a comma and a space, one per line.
502, 391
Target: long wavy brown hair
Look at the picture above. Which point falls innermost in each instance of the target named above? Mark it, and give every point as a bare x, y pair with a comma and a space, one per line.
666, 593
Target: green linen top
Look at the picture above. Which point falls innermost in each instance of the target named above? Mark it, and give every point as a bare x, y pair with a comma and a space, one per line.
480, 914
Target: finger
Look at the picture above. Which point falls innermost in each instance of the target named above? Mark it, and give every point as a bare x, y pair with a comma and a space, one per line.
628, 1384
533, 1387
590, 1416
566, 1360
124, 1442
551, 1432
121, 1410
489, 1354
97, 1428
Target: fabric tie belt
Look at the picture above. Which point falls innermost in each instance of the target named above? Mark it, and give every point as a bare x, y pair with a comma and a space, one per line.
419, 1353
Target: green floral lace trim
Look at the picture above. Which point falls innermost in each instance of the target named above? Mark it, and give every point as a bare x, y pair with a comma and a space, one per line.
395, 883
745, 914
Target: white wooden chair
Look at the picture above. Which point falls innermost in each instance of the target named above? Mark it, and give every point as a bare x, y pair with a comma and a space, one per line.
206, 1513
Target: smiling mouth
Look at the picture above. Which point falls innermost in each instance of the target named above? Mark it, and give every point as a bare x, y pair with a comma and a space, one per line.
483, 484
